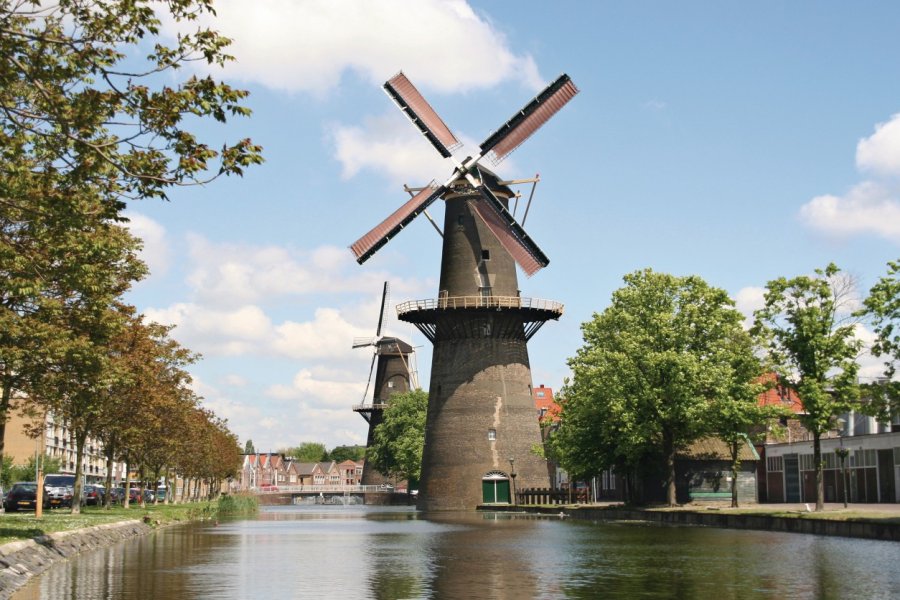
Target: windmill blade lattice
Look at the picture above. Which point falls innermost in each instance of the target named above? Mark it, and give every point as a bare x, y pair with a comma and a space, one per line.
498, 145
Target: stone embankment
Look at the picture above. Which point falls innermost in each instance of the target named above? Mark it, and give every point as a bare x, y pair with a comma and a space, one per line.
20, 561
866, 528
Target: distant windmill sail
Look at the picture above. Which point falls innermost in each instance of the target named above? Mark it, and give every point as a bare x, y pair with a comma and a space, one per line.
528, 120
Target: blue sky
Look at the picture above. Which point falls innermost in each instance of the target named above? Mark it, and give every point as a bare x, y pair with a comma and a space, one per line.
739, 142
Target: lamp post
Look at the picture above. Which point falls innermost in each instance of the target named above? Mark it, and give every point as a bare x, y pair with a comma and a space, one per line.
512, 474
842, 454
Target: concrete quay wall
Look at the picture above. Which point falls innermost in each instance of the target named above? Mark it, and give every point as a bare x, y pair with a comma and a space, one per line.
873, 529
22, 560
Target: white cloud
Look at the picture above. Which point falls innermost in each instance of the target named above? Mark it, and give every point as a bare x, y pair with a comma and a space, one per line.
748, 300
872, 206
216, 332
868, 207
327, 335
234, 274
308, 45
880, 152
391, 147
234, 380
321, 390
156, 251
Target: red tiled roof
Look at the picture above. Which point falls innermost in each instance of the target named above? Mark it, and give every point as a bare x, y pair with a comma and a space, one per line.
780, 395
545, 404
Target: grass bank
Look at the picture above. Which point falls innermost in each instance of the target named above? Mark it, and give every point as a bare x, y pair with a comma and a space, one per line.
235, 505
24, 526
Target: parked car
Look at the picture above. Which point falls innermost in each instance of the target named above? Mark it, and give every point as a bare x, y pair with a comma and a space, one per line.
134, 494
117, 495
59, 489
93, 495
149, 496
22, 495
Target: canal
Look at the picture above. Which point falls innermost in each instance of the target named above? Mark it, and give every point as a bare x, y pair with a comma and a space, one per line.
388, 553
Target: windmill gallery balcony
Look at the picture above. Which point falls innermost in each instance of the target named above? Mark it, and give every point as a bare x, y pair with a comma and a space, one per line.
500, 316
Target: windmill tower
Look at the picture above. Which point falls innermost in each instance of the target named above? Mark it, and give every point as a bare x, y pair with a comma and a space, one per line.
392, 376
481, 422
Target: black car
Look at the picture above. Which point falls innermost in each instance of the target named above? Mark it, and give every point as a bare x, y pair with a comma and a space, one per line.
23, 495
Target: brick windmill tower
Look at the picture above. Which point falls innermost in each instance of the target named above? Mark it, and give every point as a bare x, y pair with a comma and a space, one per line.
393, 375
481, 424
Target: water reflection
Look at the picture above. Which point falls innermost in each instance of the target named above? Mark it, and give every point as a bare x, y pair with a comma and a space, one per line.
384, 554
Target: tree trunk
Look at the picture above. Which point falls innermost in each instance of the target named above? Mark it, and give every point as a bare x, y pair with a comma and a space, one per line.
107, 498
80, 438
820, 481
126, 499
4, 415
142, 487
669, 450
735, 466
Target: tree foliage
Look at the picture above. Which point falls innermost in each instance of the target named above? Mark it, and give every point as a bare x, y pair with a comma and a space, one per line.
307, 452
88, 94
807, 328
659, 368
400, 437
92, 113
882, 306
341, 453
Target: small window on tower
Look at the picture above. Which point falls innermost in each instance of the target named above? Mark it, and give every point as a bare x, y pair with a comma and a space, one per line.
390, 384
485, 255
492, 434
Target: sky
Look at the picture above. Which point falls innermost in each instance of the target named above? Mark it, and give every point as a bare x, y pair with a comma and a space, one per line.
736, 141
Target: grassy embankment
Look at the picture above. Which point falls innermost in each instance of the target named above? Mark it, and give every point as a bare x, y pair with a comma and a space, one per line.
23, 525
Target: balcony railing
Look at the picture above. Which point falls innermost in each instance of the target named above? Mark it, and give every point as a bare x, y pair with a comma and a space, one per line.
457, 302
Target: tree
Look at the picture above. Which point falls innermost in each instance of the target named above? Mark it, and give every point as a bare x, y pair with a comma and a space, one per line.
307, 452
654, 367
87, 122
400, 437
342, 453
807, 328
87, 90
248, 447
882, 306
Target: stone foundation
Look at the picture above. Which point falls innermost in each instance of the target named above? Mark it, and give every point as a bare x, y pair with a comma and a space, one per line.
20, 561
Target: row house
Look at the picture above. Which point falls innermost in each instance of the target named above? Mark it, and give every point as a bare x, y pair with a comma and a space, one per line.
264, 470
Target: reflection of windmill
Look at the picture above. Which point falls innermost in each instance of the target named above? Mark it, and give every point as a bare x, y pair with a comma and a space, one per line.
480, 410
392, 375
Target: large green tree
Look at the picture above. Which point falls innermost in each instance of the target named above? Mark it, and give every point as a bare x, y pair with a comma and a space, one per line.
654, 367
92, 113
807, 328
882, 306
400, 437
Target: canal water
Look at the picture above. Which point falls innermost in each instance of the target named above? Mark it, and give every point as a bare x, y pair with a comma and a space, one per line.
389, 553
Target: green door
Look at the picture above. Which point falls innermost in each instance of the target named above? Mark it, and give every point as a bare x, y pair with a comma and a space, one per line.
495, 491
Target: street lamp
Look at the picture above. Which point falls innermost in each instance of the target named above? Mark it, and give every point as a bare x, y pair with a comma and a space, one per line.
842, 454
512, 474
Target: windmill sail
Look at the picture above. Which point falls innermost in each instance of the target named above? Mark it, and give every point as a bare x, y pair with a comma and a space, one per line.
410, 101
509, 233
528, 120
369, 244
